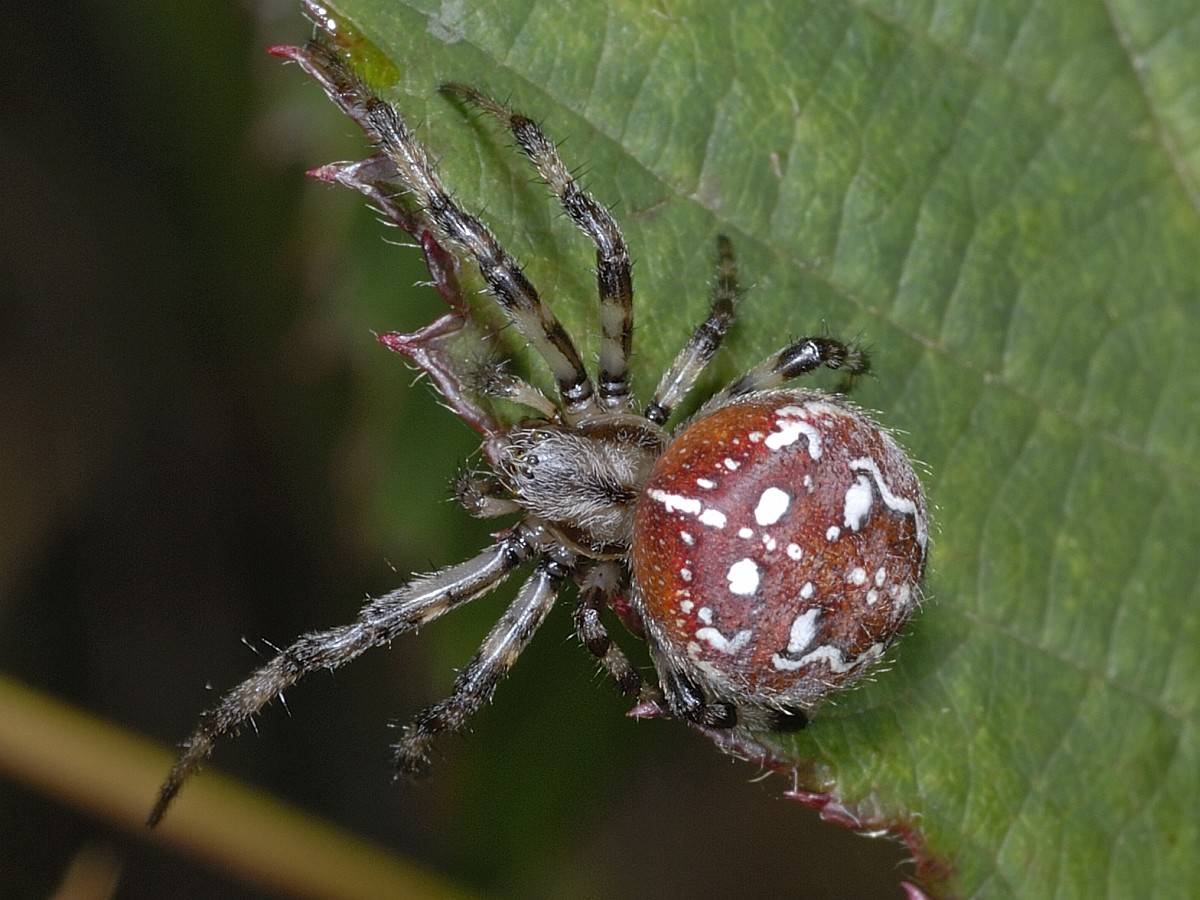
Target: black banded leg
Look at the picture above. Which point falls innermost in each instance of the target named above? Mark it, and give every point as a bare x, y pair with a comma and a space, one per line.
686, 701
614, 271
600, 584
797, 359
382, 619
703, 344
476, 683
416, 171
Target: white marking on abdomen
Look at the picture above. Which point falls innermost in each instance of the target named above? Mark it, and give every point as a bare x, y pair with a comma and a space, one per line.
831, 656
789, 430
743, 577
858, 502
689, 505
771, 506
804, 629
719, 642
899, 504
676, 502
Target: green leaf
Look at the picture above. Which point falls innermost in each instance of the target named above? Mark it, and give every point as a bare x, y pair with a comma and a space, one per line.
1004, 200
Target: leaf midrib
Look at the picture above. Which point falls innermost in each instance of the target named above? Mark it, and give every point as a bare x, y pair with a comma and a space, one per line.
1163, 137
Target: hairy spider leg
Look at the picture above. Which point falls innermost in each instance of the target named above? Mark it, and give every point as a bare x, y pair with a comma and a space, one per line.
614, 270
477, 682
684, 697
501, 272
799, 358
319, 62
598, 587
482, 495
381, 620
704, 342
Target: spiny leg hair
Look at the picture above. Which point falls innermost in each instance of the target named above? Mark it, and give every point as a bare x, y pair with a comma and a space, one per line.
382, 619
477, 682
614, 270
598, 586
799, 358
704, 342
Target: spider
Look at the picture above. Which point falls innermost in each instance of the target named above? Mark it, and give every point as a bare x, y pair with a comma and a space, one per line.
768, 550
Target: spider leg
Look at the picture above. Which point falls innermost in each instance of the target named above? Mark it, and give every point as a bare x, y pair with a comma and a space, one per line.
686, 700
598, 586
492, 378
382, 619
482, 495
614, 270
502, 274
477, 682
797, 359
703, 344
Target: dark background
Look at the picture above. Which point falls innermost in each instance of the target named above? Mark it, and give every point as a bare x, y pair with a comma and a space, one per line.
197, 433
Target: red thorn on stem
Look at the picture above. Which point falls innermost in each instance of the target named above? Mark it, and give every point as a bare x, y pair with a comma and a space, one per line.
394, 341
327, 173
829, 809
646, 709
284, 51
929, 868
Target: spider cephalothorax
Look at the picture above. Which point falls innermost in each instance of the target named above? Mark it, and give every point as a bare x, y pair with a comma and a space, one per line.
770, 549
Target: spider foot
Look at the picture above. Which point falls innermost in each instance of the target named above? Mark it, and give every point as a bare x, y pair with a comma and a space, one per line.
411, 759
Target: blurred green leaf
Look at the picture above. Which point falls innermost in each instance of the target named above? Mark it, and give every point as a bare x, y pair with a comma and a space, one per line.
1004, 200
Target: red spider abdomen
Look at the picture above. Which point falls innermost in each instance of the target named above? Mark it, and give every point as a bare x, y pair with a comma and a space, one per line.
779, 547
